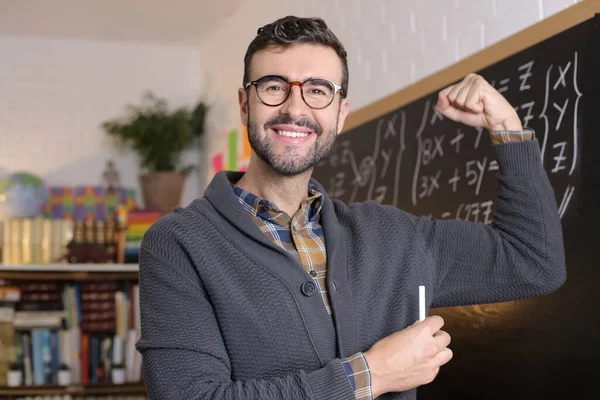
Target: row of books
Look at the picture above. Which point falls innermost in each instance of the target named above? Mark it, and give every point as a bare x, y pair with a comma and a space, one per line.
89, 327
89, 357
35, 240
44, 241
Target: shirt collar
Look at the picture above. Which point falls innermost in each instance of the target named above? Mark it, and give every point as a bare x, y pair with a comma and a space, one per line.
267, 210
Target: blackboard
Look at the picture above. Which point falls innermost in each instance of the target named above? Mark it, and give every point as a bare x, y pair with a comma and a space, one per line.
413, 158
417, 160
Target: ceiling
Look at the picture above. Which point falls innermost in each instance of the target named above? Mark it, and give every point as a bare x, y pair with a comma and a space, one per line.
172, 22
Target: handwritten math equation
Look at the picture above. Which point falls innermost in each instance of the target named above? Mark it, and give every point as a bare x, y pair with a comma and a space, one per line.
417, 160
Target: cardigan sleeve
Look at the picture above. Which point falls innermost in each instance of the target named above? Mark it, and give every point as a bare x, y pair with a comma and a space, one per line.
520, 255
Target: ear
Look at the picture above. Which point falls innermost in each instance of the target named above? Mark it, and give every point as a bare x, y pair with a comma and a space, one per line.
243, 102
344, 107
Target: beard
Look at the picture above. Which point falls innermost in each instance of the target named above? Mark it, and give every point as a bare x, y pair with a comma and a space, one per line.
290, 162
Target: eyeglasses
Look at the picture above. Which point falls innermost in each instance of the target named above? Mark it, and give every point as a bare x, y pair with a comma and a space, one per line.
274, 90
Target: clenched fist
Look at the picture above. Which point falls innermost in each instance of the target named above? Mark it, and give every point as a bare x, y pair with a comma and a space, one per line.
474, 102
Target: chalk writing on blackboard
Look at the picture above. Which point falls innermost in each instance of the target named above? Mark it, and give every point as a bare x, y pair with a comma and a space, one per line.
416, 159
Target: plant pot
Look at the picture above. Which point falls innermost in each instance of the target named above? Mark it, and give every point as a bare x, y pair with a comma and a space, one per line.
64, 377
162, 190
13, 378
118, 376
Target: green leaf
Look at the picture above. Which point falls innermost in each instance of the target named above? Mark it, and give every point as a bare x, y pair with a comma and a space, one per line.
156, 134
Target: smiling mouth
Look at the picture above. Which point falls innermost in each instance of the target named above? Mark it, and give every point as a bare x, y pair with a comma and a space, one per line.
292, 134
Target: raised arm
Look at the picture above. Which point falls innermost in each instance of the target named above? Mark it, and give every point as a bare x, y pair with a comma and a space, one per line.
522, 253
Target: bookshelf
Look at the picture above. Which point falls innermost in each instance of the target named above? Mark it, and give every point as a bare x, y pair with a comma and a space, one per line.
68, 272
121, 301
69, 297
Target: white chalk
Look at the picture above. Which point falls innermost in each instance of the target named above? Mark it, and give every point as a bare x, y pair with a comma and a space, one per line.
421, 303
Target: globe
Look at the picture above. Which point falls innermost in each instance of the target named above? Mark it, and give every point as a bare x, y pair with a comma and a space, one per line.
22, 195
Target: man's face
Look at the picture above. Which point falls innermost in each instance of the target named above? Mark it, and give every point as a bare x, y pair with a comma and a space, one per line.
292, 137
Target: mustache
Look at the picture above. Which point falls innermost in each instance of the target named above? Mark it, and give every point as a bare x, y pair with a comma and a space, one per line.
287, 120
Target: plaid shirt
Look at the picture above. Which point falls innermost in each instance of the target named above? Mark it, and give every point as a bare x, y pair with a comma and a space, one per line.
302, 236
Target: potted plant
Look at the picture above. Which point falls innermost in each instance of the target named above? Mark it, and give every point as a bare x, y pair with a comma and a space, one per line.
14, 376
159, 136
118, 374
64, 375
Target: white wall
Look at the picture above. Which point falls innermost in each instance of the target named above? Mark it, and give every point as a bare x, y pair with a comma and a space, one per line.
390, 43
55, 93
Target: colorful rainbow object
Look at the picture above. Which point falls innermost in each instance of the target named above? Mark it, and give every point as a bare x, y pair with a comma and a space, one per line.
236, 155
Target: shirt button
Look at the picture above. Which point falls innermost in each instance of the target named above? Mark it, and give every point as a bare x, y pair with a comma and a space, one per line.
313, 273
308, 289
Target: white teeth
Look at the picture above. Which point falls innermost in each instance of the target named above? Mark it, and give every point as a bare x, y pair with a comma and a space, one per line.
293, 134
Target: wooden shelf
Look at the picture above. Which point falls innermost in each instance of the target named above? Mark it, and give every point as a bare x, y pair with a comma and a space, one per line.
77, 272
91, 389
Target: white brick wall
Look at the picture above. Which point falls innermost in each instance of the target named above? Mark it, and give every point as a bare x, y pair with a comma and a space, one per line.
510, 17
390, 43
53, 94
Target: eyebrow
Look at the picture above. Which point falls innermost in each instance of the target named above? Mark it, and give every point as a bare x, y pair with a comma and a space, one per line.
289, 80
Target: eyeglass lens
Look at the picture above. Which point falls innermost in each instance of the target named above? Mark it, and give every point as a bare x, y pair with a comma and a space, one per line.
273, 90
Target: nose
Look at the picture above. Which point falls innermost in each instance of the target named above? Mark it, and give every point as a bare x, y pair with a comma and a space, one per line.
295, 106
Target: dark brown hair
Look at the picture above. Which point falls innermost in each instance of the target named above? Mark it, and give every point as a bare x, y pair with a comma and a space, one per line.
292, 30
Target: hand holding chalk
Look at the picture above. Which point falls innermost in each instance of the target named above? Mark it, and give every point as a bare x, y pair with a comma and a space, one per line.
409, 358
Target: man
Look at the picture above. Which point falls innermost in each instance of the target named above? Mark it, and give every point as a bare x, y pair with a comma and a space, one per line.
266, 289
